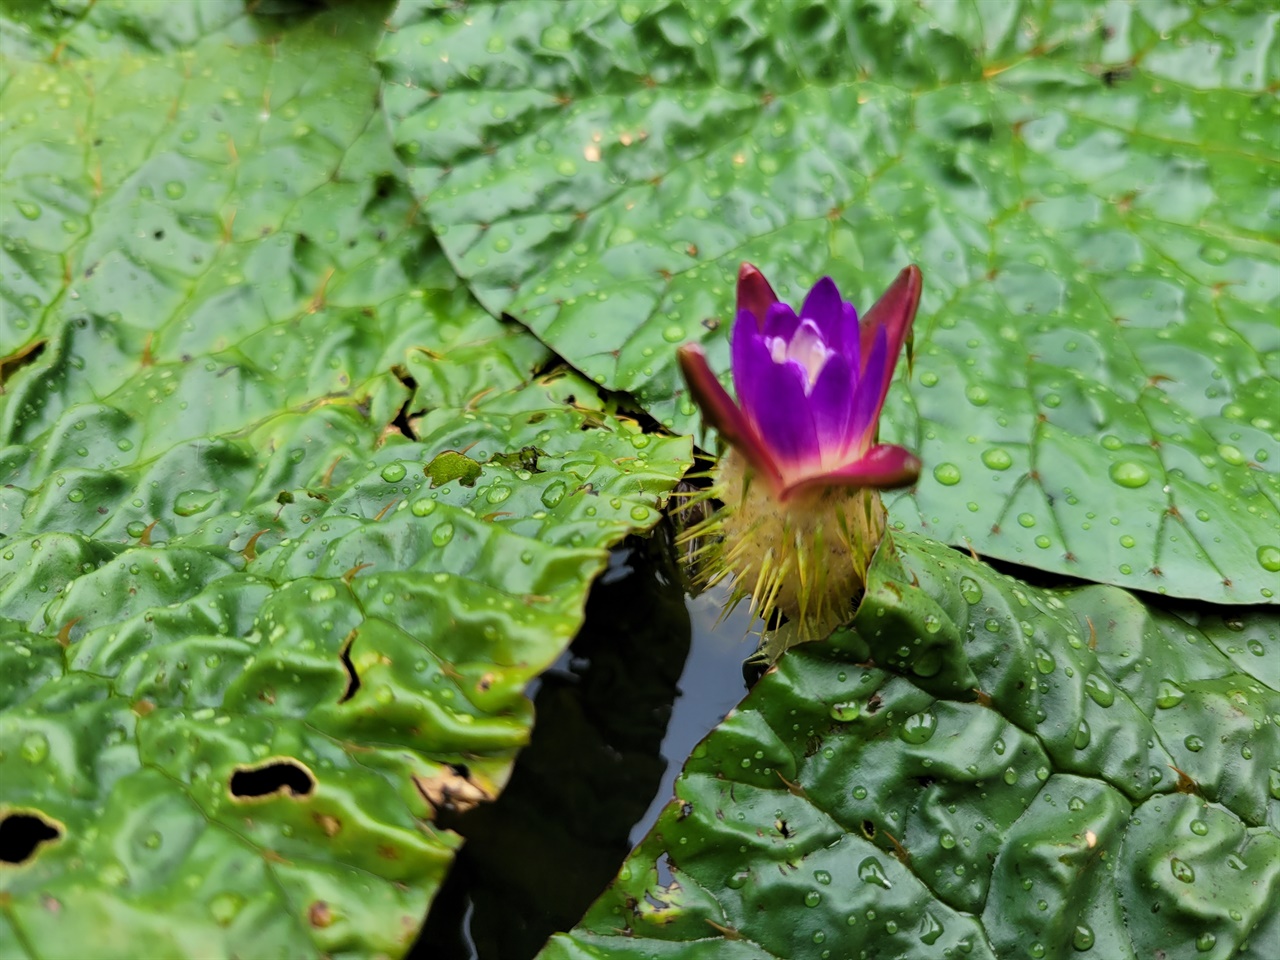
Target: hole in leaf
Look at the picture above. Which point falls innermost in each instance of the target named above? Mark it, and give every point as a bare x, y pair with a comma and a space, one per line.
868, 829
353, 678
402, 421
28, 353
282, 775
22, 833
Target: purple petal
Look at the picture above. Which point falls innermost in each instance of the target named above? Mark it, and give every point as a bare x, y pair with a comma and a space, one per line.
825, 308
831, 401
773, 397
893, 313
852, 348
754, 293
719, 410
780, 321
869, 395
745, 333
884, 467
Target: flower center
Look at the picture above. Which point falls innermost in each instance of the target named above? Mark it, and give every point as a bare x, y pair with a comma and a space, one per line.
806, 348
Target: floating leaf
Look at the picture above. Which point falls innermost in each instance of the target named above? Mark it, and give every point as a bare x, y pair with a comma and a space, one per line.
1027, 772
1087, 189
250, 655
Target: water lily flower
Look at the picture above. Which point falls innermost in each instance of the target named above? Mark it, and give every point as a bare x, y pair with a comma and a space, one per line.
810, 385
801, 516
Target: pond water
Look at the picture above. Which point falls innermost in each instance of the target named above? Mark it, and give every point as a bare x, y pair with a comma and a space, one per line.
648, 676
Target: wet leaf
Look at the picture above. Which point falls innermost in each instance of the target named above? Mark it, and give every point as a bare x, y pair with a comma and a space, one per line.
1087, 189
978, 767
250, 654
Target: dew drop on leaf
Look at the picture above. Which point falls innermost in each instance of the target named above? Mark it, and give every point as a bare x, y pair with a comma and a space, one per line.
1082, 937
947, 474
997, 458
1099, 691
870, 871
1182, 870
1126, 473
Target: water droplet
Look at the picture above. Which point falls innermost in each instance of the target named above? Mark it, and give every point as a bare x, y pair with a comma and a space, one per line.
190, 502
1010, 776
224, 908
554, 493
1182, 870
997, 458
639, 513
930, 929
1044, 661
738, 880
442, 534
497, 493
1129, 474
947, 841
947, 474
1231, 455
393, 472
1082, 735
1205, 942
1169, 695
844, 712
822, 876
977, 395
1193, 743
1269, 557
970, 590
928, 378
812, 898
673, 334
1111, 442
1099, 691
423, 507
919, 727
999, 747
35, 747
1199, 827
75, 494
1026, 520
870, 871
1082, 937
175, 189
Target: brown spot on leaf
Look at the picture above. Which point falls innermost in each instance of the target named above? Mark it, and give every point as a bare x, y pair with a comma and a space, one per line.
331, 826
451, 789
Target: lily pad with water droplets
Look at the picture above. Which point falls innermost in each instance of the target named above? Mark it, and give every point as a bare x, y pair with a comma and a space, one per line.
250, 654
1088, 188
978, 768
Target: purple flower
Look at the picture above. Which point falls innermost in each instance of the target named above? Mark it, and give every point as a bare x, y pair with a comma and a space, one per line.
810, 385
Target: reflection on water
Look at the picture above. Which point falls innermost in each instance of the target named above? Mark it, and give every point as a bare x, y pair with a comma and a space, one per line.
649, 675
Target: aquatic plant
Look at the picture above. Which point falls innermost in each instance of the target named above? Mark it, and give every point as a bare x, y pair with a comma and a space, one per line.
801, 516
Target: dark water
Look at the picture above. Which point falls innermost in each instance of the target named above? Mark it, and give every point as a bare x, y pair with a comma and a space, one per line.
649, 675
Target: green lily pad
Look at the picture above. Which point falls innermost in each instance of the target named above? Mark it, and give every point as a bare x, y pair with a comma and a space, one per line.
250, 653
1087, 189
978, 768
